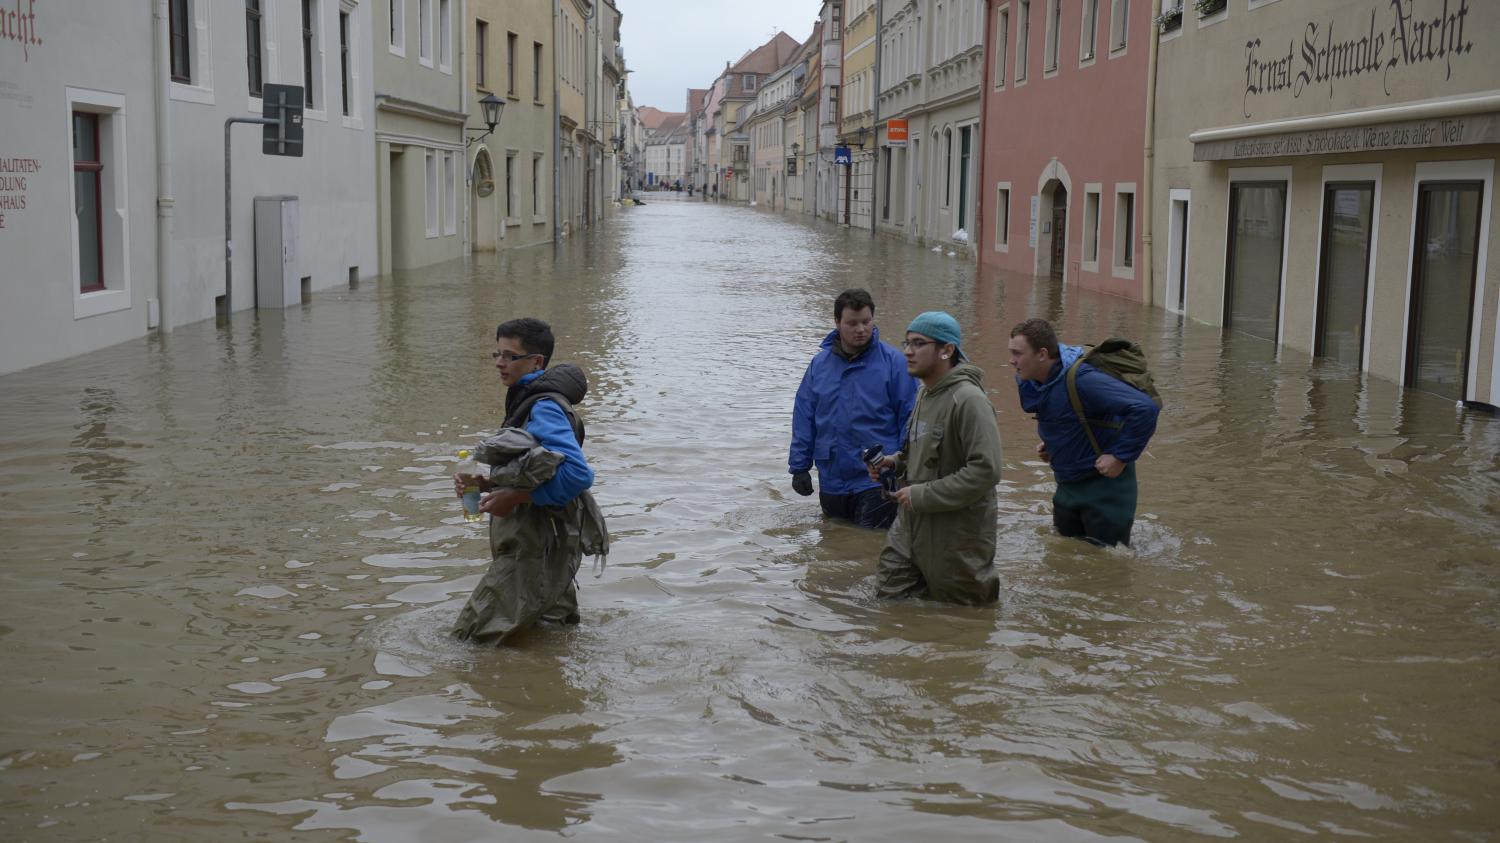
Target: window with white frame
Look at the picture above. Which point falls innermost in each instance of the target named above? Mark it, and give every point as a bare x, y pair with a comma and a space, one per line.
398, 26
1023, 38
430, 172
1089, 35
1002, 45
312, 55
255, 46
101, 253
747, 81
1119, 24
1002, 216
1054, 33
445, 36
510, 186
191, 65
180, 40
1125, 227
1091, 224
450, 194
424, 32
346, 59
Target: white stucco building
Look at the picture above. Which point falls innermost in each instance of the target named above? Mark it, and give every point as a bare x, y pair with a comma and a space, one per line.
112, 164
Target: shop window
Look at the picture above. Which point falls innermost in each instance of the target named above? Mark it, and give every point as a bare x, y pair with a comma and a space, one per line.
1257, 238
1444, 272
1343, 272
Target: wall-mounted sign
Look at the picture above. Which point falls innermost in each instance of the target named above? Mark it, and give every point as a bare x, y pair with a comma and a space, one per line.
1415, 134
14, 184
895, 132
1036, 206
1398, 35
841, 155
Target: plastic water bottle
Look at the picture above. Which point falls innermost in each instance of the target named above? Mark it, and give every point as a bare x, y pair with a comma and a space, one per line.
469, 468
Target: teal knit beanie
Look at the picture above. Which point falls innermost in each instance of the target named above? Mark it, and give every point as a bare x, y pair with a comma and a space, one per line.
940, 326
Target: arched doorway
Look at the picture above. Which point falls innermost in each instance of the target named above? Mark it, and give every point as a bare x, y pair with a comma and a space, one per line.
484, 236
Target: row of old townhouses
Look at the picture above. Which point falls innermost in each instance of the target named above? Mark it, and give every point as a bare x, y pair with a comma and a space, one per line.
1319, 175
431, 129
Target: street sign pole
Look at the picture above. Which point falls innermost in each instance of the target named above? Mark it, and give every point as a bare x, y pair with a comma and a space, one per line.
281, 135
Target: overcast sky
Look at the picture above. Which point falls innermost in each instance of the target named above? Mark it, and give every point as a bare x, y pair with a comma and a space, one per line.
673, 45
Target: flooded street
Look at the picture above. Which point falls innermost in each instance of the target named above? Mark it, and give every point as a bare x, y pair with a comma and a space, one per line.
231, 558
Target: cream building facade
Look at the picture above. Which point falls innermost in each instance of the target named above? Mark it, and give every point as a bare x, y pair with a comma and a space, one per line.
857, 112
510, 181
932, 62
421, 106
1332, 191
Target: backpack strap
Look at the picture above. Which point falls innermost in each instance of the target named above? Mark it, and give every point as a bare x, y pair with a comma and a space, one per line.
522, 413
1077, 401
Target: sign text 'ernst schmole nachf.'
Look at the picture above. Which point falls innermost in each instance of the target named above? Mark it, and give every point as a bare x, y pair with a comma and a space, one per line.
1419, 33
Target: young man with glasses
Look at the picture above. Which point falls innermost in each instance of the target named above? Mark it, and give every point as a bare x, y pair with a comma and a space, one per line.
855, 394
536, 535
942, 545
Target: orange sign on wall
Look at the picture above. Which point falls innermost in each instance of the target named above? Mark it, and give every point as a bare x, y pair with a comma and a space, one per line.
895, 132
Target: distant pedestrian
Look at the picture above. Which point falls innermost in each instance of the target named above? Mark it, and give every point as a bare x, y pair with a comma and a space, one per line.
942, 545
1096, 490
856, 393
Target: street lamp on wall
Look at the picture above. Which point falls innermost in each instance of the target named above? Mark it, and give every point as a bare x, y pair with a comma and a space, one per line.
493, 107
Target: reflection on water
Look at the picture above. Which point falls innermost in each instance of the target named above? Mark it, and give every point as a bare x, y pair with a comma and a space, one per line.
233, 554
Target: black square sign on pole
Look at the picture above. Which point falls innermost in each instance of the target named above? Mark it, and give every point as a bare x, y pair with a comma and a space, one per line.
283, 104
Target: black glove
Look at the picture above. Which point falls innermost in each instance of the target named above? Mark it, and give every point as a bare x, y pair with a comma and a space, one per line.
802, 483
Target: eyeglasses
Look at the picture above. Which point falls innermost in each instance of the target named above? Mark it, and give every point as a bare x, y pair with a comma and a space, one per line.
507, 357
917, 345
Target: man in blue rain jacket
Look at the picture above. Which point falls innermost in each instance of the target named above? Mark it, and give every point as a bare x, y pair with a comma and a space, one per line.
1096, 491
855, 394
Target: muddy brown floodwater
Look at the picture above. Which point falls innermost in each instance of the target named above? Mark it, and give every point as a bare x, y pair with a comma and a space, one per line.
230, 559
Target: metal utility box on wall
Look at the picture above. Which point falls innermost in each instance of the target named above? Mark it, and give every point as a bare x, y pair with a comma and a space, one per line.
277, 282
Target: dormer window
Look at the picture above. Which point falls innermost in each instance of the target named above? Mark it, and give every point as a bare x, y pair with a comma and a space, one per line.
747, 81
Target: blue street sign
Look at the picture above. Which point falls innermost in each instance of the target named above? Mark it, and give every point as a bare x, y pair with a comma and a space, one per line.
841, 155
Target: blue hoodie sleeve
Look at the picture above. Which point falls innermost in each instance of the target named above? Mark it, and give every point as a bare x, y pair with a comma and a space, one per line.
549, 424
1107, 397
804, 425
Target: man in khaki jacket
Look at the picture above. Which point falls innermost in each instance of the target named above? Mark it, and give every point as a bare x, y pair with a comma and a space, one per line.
942, 545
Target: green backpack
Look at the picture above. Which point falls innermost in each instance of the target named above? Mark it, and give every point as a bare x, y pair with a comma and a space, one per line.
1120, 359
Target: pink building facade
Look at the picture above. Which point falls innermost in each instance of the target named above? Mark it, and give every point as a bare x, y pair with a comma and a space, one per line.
1064, 128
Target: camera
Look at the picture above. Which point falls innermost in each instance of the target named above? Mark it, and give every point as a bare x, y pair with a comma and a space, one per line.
888, 481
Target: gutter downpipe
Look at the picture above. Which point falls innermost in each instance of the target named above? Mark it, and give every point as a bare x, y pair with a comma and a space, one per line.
165, 203
984, 107
466, 237
875, 117
1147, 262
556, 129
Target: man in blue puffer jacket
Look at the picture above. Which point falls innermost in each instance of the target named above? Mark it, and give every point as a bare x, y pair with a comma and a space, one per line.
855, 393
1096, 491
